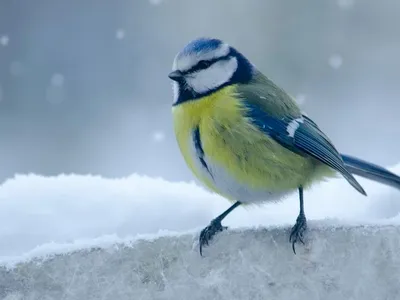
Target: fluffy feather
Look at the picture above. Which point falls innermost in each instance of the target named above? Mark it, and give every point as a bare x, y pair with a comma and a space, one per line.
245, 163
211, 78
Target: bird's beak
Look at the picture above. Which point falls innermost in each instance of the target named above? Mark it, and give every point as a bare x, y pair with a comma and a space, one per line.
176, 75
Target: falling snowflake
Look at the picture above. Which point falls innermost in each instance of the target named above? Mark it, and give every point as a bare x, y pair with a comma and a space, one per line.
57, 80
155, 2
4, 40
120, 34
158, 136
55, 92
335, 61
300, 98
345, 4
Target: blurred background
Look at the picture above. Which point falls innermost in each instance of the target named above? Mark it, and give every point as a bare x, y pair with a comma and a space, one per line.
84, 86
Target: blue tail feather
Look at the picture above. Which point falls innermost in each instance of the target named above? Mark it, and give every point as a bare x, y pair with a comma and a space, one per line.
370, 171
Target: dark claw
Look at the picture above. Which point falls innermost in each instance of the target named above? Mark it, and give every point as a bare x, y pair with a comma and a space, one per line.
298, 230
208, 233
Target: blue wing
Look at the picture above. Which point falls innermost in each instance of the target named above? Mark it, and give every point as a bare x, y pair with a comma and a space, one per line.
302, 136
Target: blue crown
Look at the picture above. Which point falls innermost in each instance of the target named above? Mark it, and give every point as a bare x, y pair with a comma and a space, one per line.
201, 44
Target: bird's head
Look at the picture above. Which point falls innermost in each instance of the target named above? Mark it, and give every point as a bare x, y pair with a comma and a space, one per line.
205, 65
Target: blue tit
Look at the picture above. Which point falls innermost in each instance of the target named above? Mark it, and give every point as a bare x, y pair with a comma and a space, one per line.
246, 139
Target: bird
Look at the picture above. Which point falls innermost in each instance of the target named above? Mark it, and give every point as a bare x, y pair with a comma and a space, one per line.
246, 139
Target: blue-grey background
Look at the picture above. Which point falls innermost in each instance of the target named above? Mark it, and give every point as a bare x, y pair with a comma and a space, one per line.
84, 86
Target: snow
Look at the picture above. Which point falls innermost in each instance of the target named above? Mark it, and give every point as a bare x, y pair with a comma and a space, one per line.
340, 263
335, 61
61, 236
4, 40
120, 34
346, 4
40, 215
57, 80
158, 136
155, 2
55, 92
300, 98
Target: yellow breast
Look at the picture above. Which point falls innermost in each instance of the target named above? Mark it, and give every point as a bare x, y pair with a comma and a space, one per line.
203, 114
235, 147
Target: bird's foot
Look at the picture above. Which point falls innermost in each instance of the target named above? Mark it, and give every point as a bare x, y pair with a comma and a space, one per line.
208, 233
297, 233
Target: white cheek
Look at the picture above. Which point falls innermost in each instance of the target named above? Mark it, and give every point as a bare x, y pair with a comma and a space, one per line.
212, 77
175, 89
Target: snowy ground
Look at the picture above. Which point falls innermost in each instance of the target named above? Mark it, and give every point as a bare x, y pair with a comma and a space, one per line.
75, 222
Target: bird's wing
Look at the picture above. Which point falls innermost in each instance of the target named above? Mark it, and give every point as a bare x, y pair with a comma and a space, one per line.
300, 135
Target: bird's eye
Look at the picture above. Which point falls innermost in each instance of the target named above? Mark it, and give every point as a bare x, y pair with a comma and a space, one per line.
203, 64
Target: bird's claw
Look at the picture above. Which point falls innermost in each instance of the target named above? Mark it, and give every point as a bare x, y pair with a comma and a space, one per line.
297, 233
208, 233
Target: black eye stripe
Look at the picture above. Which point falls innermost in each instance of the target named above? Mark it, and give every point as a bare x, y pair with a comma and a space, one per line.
204, 64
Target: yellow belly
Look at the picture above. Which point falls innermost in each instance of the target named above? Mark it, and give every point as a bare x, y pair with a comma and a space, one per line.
244, 162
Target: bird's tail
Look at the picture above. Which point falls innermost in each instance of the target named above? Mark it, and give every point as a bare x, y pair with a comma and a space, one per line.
371, 171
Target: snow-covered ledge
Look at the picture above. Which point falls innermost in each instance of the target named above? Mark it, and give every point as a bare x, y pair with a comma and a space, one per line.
88, 237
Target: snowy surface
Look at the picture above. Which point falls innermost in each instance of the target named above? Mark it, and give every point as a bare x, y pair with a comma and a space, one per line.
135, 238
344, 263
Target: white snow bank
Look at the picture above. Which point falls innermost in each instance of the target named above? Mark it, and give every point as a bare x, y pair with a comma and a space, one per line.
42, 215
344, 263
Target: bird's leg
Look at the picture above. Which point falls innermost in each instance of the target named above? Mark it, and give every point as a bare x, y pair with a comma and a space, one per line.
301, 224
215, 226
